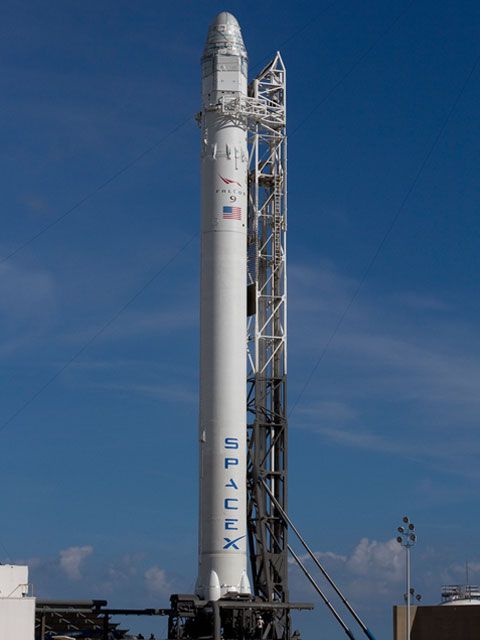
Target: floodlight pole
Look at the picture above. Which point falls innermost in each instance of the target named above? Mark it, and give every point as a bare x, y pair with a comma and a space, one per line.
407, 539
407, 549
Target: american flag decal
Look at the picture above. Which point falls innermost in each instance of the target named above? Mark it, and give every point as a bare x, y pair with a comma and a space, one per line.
232, 213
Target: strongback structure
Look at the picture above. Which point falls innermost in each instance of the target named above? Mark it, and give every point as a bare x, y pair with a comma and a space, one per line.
267, 339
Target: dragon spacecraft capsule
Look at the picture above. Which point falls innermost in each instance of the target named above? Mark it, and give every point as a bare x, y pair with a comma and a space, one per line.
222, 421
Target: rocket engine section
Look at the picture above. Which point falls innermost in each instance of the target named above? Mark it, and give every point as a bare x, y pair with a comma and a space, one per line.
222, 423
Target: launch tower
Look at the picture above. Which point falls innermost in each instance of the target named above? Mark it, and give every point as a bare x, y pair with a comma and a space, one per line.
267, 339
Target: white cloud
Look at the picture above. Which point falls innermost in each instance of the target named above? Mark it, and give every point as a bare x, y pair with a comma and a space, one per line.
421, 301
320, 555
119, 574
382, 560
474, 567
72, 558
373, 569
36, 203
27, 305
24, 294
330, 555
363, 439
124, 568
156, 580
457, 572
329, 411
369, 558
167, 392
396, 376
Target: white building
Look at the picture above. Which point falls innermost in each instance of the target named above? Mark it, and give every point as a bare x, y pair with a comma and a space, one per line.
460, 594
17, 608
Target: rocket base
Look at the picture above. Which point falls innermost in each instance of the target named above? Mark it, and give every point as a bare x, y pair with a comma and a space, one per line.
234, 616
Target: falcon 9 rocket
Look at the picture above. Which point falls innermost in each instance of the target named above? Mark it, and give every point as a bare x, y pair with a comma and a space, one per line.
222, 420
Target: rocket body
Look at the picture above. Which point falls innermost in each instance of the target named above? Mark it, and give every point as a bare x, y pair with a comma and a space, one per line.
222, 420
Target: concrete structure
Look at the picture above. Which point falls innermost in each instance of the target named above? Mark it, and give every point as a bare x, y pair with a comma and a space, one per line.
452, 622
17, 608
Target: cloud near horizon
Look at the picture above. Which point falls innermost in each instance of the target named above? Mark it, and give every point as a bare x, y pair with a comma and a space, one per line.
386, 375
156, 580
71, 560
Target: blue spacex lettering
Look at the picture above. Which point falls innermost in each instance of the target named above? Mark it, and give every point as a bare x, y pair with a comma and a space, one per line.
230, 502
232, 543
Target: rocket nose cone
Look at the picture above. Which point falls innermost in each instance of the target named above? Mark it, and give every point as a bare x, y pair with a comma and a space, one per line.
225, 36
225, 18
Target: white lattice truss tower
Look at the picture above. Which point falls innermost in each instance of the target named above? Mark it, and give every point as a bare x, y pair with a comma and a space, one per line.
267, 331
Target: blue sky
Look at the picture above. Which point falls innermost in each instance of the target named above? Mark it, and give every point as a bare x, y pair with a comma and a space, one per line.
99, 472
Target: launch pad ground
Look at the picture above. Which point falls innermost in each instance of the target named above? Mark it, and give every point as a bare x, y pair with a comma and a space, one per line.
188, 617
236, 616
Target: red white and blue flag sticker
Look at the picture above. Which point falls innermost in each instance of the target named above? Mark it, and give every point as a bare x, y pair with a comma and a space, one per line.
232, 213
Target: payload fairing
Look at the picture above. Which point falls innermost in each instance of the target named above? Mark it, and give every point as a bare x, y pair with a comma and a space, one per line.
222, 423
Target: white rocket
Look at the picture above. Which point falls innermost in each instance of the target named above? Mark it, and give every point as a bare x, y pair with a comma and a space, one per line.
222, 426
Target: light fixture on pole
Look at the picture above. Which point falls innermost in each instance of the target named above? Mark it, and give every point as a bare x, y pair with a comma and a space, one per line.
417, 596
407, 538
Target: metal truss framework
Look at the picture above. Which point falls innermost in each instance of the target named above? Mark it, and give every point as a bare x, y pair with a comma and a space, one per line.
83, 618
267, 340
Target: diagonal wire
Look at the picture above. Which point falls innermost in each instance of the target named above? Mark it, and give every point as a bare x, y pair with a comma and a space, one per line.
387, 233
96, 335
356, 63
94, 191
294, 34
